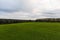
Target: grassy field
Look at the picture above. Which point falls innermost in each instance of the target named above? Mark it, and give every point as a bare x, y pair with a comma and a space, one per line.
30, 31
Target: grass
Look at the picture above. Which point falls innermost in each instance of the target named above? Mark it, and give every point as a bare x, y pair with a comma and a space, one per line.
30, 31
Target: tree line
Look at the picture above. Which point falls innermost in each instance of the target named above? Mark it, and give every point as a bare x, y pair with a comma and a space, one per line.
8, 21
48, 20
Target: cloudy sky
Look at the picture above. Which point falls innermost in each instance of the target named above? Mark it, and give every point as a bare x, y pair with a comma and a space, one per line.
29, 9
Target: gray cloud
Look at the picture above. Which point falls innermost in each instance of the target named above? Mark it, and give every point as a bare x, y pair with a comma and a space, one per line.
52, 13
15, 5
29, 9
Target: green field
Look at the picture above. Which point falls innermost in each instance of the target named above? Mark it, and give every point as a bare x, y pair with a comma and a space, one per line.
30, 31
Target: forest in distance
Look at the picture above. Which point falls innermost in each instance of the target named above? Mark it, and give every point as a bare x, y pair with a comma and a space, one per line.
8, 21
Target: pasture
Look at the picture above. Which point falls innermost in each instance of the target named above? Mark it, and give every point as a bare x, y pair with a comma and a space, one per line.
30, 31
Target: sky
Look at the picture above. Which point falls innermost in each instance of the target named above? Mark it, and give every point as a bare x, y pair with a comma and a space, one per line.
29, 9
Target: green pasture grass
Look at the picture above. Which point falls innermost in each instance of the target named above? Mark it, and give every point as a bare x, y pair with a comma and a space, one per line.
30, 31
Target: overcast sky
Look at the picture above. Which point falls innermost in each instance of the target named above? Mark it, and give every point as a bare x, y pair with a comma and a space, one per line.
29, 9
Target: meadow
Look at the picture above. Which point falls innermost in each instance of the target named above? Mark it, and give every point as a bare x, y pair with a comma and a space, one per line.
30, 31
